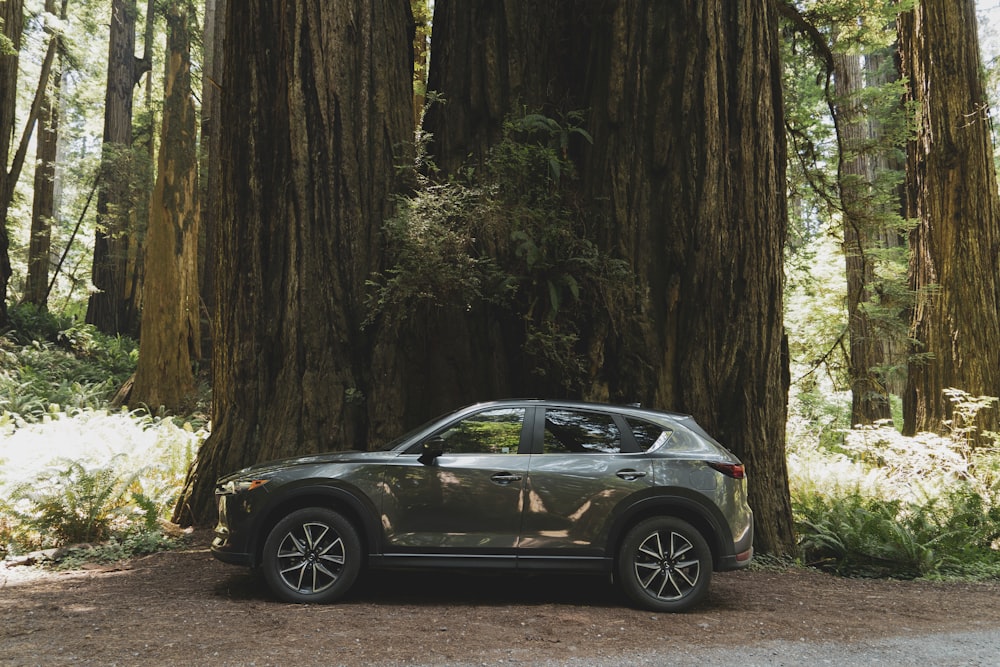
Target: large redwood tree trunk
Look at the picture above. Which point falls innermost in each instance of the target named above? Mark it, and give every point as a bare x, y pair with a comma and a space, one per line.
684, 181
317, 122
688, 162
952, 194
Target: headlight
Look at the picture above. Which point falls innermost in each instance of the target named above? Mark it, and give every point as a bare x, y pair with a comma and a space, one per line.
240, 485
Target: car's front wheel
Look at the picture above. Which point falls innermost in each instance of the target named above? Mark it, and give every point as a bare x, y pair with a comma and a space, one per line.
313, 555
665, 564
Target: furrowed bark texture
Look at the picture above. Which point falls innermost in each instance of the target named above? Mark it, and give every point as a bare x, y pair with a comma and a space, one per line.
318, 116
952, 194
211, 163
491, 59
689, 157
170, 317
684, 181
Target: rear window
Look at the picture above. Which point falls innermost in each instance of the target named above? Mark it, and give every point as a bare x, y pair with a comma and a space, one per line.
647, 435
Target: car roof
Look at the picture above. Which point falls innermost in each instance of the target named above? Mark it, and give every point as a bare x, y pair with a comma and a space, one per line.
631, 408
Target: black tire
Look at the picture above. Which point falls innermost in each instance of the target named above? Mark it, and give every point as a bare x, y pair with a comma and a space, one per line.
664, 564
312, 556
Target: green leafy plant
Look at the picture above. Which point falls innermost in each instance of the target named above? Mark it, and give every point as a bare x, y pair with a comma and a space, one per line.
882, 504
505, 236
73, 503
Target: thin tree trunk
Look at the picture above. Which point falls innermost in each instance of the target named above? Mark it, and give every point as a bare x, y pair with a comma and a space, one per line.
12, 18
43, 206
211, 163
869, 399
170, 317
952, 194
108, 308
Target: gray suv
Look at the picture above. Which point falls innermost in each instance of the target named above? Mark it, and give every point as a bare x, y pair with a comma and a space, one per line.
645, 496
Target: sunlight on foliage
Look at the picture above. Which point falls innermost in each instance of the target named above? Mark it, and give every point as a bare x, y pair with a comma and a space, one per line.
875, 503
90, 476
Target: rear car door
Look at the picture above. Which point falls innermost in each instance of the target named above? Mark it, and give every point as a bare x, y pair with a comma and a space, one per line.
468, 500
583, 464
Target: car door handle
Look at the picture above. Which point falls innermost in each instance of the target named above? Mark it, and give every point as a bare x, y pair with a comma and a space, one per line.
630, 475
505, 478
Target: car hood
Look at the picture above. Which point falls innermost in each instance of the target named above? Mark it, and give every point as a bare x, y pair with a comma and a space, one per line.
270, 467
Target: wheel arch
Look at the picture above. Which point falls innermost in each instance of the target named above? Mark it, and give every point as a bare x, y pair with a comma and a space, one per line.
354, 507
681, 504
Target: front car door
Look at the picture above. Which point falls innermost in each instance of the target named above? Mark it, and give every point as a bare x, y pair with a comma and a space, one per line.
468, 500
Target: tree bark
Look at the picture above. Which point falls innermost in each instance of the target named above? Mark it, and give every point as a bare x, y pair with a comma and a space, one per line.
170, 316
688, 161
952, 194
869, 398
211, 163
12, 16
685, 182
491, 59
109, 308
316, 125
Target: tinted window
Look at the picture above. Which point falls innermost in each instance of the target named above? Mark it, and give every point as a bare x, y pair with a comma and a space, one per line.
647, 435
580, 432
490, 432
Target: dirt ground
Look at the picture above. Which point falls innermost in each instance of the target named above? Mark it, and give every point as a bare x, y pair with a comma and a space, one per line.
185, 608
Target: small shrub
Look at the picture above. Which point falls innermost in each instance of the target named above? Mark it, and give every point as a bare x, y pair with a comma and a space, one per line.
71, 503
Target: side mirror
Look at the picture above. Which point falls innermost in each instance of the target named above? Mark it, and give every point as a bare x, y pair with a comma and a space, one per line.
431, 449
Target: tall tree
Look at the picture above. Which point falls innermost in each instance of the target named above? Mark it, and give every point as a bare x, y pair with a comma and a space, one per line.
36, 288
9, 178
684, 182
869, 397
324, 88
688, 165
12, 23
170, 318
110, 308
864, 107
213, 75
952, 194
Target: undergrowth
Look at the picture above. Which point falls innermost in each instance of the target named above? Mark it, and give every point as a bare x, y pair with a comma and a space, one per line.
73, 471
878, 504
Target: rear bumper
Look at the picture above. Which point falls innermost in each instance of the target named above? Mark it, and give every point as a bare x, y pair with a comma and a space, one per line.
737, 562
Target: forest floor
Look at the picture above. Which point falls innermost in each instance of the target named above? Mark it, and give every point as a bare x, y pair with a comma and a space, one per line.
184, 608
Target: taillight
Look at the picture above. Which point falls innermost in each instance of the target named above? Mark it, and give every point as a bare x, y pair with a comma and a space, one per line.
734, 470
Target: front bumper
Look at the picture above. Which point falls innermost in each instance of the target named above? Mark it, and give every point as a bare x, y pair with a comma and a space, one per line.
224, 547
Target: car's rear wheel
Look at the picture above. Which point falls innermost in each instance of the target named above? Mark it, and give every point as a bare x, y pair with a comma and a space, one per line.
665, 564
313, 555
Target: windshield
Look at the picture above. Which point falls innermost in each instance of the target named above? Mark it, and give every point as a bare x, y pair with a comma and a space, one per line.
396, 442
